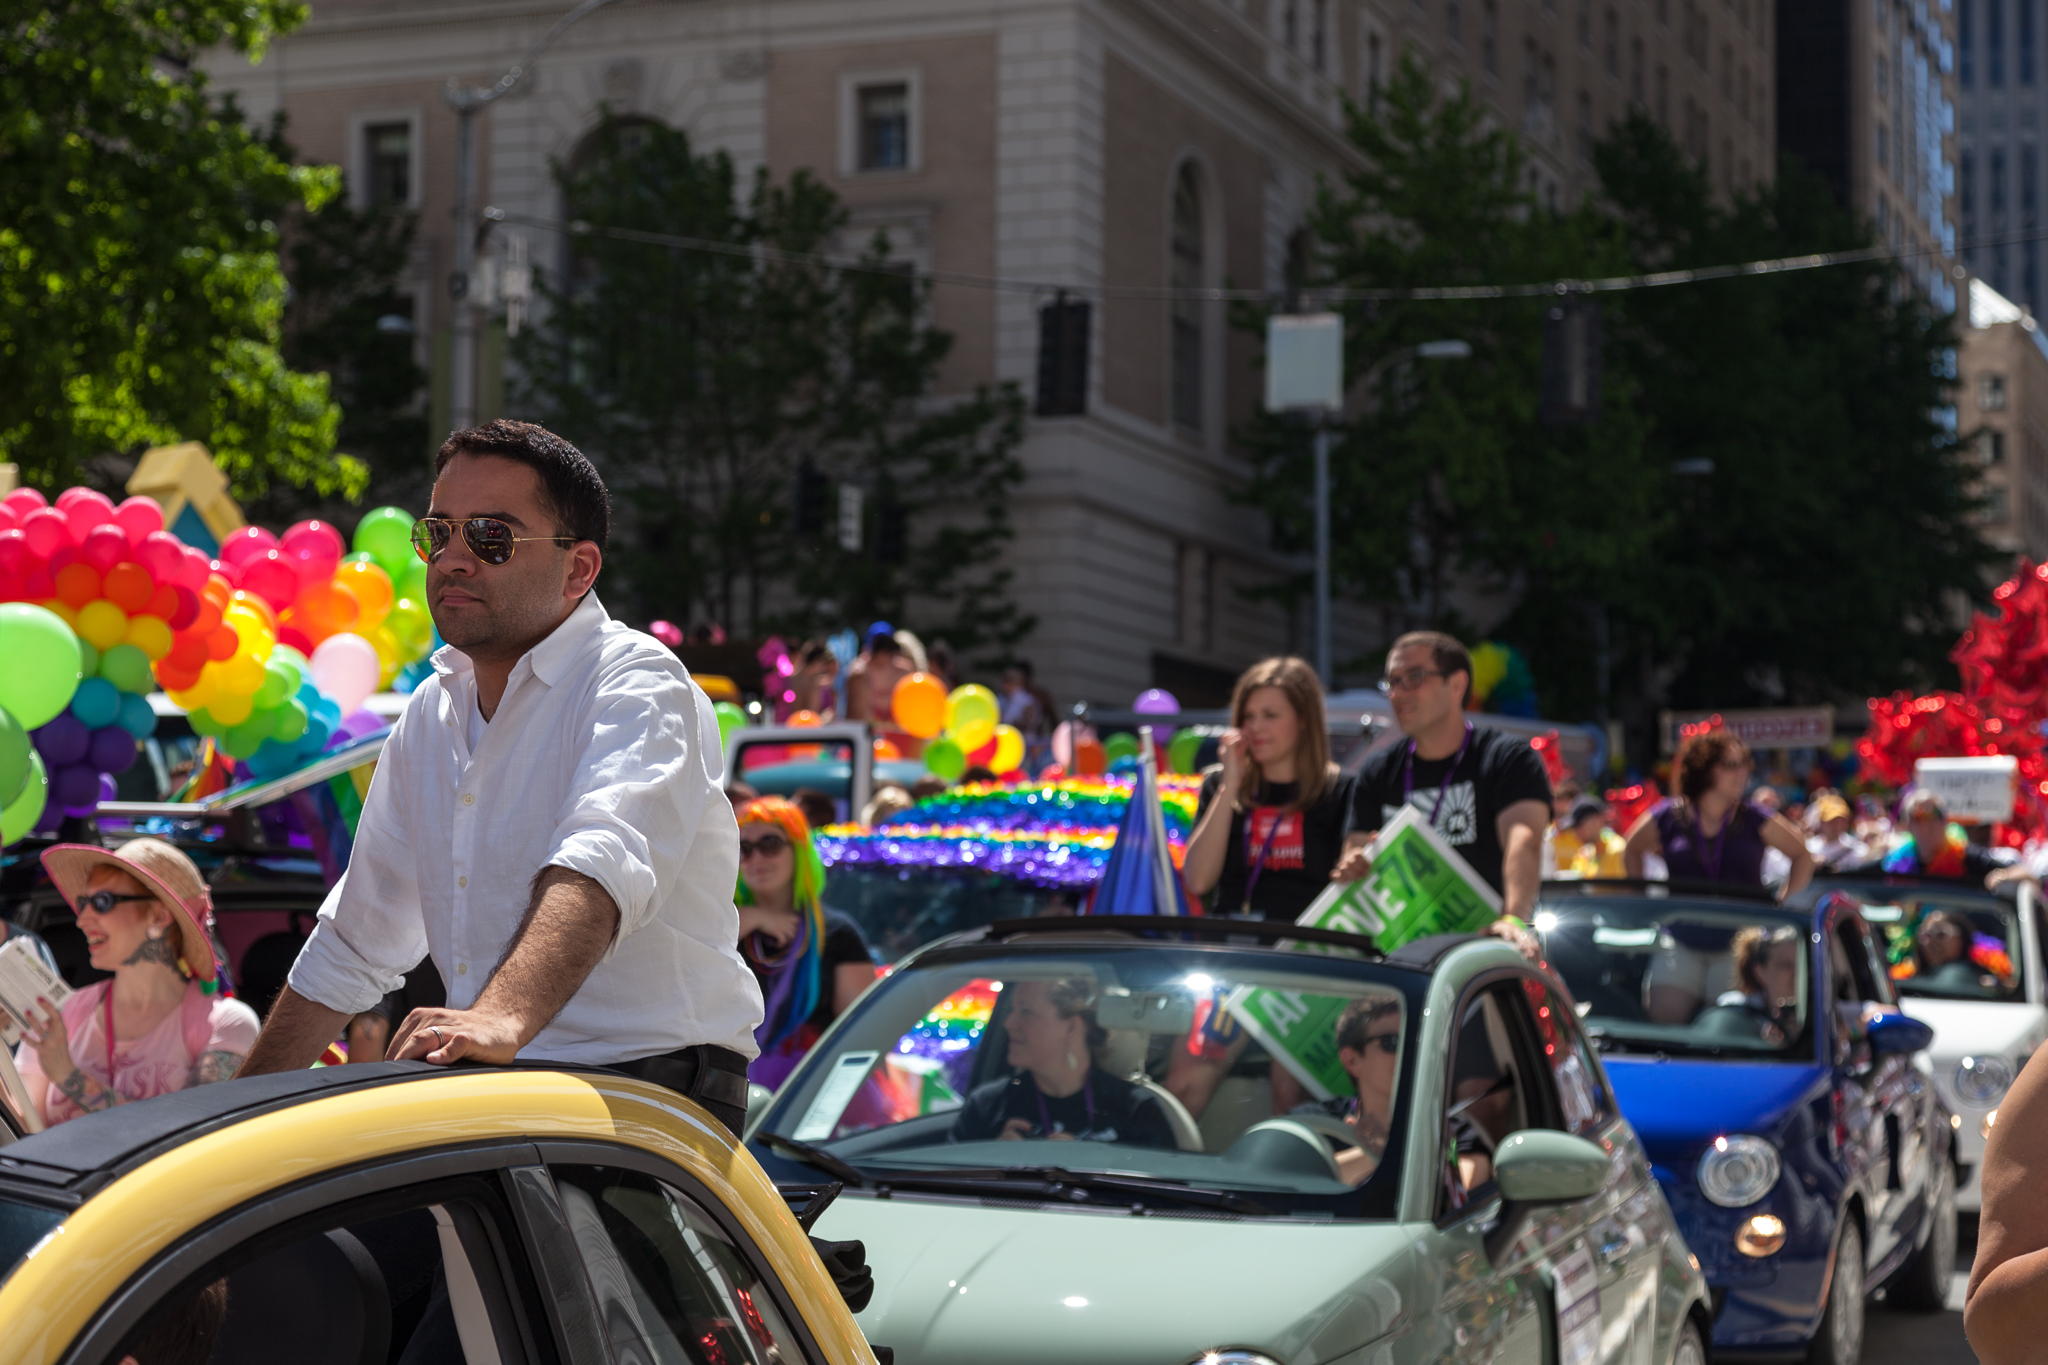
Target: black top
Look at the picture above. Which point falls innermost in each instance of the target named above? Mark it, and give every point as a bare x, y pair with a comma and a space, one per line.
1122, 1111
1305, 847
1497, 770
843, 944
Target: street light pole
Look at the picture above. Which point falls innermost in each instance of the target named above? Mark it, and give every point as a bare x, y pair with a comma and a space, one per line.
466, 101
1323, 664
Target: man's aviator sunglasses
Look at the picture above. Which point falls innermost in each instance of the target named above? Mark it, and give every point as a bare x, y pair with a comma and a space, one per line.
489, 539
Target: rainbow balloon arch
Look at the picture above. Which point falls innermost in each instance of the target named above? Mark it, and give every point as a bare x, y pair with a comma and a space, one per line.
271, 648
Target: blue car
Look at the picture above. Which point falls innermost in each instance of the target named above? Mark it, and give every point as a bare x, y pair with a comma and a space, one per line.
1787, 1106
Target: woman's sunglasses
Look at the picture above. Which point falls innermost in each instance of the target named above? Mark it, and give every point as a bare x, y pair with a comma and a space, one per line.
103, 902
767, 846
489, 539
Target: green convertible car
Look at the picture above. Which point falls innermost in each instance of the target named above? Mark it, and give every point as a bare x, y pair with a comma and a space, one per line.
1170, 1141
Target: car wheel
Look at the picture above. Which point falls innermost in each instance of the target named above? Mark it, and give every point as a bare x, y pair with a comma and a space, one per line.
1691, 1350
1840, 1339
1922, 1287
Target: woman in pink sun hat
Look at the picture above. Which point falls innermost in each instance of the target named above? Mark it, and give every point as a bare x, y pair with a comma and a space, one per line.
157, 1025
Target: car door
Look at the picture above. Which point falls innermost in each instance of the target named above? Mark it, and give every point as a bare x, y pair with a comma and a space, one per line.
1875, 1094
1495, 1297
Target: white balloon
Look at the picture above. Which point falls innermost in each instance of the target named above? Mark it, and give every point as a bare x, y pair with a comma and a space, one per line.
346, 668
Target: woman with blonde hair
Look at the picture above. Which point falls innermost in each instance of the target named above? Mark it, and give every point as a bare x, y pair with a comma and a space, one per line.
158, 1024
1270, 827
811, 962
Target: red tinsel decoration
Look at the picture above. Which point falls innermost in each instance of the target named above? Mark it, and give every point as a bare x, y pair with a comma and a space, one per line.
1546, 747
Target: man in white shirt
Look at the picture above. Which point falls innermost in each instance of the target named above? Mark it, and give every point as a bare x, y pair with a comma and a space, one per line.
551, 792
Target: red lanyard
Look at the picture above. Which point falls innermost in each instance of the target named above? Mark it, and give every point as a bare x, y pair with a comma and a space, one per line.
1258, 864
110, 1036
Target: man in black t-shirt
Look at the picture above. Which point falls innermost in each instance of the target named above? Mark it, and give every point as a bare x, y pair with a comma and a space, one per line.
1485, 792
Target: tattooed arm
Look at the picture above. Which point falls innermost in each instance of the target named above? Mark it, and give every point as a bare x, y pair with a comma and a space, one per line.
215, 1066
87, 1093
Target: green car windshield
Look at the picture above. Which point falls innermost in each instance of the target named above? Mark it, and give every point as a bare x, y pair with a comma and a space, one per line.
1154, 1074
1698, 978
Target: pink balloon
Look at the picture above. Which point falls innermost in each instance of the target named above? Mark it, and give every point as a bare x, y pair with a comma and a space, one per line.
324, 529
161, 554
47, 531
138, 519
245, 544
668, 633
346, 668
192, 572
104, 546
271, 577
75, 492
23, 501
314, 549
85, 511
9, 519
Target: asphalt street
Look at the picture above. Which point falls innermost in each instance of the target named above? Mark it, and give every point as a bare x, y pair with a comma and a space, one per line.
1895, 1338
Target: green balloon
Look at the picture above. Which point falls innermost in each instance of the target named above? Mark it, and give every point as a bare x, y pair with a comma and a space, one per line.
15, 749
945, 758
203, 723
294, 663
1181, 750
127, 668
277, 684
242, 741
21, 814
386, 534
43, 666
413, 582
88, 659
291, 722
731, 717
1120, 745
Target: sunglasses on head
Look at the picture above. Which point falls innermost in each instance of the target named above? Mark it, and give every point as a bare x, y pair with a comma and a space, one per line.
489, 539
767, 846
103, 902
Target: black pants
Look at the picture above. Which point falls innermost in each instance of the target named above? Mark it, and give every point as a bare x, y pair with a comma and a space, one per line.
713, 1076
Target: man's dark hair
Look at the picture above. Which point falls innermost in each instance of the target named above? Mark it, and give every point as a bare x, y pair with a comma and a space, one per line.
570, 487
1445, 652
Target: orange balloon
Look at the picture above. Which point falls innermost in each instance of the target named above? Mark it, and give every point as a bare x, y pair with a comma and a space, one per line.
1089, 758
919, 705
371, 588
803, 720
129, 587
78, 584
218, 591
885, 750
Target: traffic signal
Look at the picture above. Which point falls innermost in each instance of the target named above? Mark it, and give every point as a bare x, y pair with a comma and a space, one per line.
1063, 358
1571, 363
812, 491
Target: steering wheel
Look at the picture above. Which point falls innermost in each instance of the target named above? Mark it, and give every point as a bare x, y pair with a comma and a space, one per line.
1328, 1125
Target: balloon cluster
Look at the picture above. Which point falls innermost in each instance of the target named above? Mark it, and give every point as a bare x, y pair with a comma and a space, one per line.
1501, 681
962, 728
42, 673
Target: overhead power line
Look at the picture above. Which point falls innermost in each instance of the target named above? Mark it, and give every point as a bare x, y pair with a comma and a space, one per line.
1777, 265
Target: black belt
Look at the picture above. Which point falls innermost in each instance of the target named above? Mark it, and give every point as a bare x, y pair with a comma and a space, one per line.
707, 1073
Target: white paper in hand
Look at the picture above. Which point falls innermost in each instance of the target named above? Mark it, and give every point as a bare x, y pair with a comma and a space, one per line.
24, 978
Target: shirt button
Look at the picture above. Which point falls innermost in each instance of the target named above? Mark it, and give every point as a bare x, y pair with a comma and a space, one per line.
462, 969
468, 798
462, 881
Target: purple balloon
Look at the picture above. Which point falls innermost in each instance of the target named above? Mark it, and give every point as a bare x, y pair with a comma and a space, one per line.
361, 722
76, 788
1154, 702
108, 791
113, 750
63, 741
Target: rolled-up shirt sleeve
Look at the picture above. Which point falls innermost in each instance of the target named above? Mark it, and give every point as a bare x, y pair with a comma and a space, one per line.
370, 931
640, 789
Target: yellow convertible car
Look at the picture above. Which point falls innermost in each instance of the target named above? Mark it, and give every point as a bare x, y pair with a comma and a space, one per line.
403, 1213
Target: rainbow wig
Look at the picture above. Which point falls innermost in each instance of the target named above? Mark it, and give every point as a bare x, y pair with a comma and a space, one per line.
794, 983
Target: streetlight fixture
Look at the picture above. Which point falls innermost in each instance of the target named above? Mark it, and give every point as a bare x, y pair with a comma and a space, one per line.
1304, 373
466, 100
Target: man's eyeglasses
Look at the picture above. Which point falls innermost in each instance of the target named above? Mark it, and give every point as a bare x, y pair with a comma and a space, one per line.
1389, 1043
1409, 680
767, 846
489, 539
103, 902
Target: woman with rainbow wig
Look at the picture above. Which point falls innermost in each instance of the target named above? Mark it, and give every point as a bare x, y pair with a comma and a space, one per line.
811, 962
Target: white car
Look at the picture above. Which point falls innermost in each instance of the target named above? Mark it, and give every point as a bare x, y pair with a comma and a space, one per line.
1988, 1007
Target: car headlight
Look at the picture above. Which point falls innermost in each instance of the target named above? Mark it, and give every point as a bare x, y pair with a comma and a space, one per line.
1235, 1355
1983, 1081
1737, 1171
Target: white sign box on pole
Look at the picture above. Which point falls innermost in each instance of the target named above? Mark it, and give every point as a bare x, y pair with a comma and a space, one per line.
1975, 790
1305, 362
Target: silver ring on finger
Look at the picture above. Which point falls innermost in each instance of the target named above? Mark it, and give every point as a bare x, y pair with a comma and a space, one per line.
438, 1037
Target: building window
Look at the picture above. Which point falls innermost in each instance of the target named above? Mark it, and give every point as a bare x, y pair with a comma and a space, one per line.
1991, 447
1997, 504
1451, 23
1991, 393
884, 113
1883, 148
1315, 39
1884, 81
1489, 37
1586, 24
1966, 33
1611, 46
1997, 195
1664, 94
1372, 70
1635, 71
1966, 190
2023, 21
1585, 128
1742, 95
1187, 276
1994, 43
387, 162
1727, 71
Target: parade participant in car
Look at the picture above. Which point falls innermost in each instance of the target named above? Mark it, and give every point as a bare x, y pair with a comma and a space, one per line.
157, 1024
1833, 843
1935, 848
546, 819
1767, 969
1485, 792
1270, 825
1941, 955
1368, 1046
811, 962
1058, 1092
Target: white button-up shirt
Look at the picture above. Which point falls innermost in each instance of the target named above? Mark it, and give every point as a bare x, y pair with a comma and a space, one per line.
604, 758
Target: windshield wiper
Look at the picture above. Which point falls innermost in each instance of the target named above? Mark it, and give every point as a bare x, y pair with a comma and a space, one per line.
819, 1157
1053, 1180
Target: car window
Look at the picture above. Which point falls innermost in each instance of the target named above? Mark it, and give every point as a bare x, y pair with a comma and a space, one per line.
671, 1286
901, 908
1941, 945
825, 765
1582, 1099
1489, 1095
420, 1276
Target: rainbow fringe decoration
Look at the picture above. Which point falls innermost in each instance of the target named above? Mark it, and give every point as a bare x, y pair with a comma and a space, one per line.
1056, 834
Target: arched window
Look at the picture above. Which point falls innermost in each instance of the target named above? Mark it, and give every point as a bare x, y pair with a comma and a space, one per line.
1187, 276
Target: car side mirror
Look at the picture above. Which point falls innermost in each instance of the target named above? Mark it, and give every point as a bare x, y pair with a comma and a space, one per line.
759, 1097
1893, 1035
1538, 1166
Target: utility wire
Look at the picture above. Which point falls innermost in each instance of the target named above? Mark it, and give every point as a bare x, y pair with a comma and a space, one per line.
1611, 284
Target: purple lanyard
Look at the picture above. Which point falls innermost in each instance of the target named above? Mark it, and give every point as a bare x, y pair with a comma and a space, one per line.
1258, 864
1720, 841
1408, 775
1045, 1114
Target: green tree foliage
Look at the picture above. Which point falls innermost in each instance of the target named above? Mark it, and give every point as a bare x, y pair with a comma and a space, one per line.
140, 293
701, 382
1817, 561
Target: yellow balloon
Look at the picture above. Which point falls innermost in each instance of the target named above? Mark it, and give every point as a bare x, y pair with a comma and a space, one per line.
390, 655
65, 610
971, 715
371, 587
240, 676
102, 624
1009, 750
233, 710
150, 635
195, 697
252, 630
412, 625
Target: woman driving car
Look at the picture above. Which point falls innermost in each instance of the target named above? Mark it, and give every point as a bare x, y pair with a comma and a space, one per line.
1056, 1091
1369, 1048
